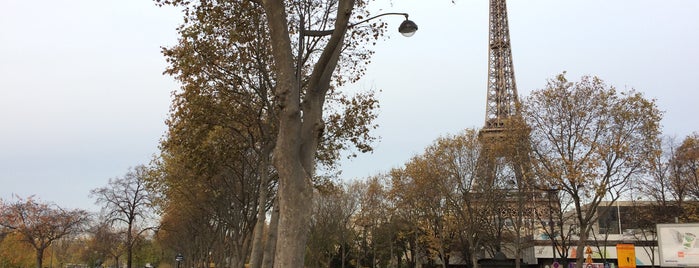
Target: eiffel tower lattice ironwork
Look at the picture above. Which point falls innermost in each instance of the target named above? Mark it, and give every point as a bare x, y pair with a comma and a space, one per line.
502, 101
501, 136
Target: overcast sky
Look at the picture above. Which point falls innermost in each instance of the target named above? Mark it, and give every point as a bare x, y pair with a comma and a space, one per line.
83, 97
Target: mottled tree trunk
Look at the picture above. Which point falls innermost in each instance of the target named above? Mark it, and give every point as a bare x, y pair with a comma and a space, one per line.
300, 126
294, 190
295, 203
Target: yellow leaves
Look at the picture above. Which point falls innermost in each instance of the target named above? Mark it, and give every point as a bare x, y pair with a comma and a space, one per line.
685, 164
588, 125
689, 149
15, 252
348, 125
690, 212
435, 189
38, 224
589, 139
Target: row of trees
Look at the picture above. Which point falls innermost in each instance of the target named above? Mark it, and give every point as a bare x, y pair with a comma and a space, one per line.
125, 225
591, 145
255, 133
260, 113
589, 142
258, 110
425, 211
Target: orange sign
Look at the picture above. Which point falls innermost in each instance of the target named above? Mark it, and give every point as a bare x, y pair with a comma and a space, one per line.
626, 255
588, 252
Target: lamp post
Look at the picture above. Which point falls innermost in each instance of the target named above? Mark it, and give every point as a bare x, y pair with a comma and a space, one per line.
407, 28
179, 258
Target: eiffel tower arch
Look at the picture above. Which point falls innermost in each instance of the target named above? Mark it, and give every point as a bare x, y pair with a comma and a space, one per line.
504, 158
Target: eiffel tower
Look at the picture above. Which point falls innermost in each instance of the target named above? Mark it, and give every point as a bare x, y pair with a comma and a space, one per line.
504, 156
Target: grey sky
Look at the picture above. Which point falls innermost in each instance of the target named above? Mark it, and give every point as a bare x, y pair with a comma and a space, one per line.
83, 98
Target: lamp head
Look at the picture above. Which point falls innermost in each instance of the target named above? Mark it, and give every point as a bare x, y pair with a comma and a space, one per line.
407, 28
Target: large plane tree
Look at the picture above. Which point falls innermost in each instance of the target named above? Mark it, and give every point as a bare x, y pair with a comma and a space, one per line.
313, 49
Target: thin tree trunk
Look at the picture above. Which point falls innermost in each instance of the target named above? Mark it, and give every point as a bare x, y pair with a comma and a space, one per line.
418, 255
39, 258
257, 250
580, 250
129, 246
392, 262
245, 248
129, 256
445, 260
270, 246
343, 254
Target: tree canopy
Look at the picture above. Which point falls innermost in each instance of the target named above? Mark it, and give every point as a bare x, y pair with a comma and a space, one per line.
590, 141
40, 224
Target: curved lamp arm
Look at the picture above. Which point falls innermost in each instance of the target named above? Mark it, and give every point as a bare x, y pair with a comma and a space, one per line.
407, 28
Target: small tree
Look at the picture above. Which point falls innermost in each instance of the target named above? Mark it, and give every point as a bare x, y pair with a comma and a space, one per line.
332, 227
40, 224
686, 164
106, 242
127, 203
382, 233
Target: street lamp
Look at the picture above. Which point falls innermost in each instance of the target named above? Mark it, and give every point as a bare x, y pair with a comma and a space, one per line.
179, 258
407, 28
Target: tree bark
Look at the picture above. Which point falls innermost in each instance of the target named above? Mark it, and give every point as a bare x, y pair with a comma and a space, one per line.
39, 257
295, 197
270, 246
580, 249
294, 190
299, 128
129, 245
257, 251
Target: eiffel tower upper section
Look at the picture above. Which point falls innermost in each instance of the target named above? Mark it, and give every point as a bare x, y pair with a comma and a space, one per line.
502, 99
